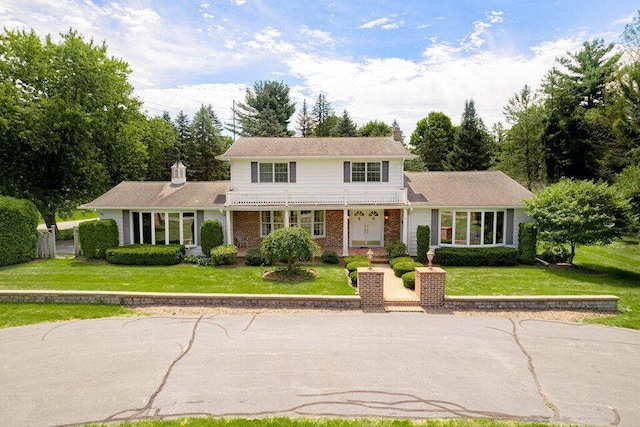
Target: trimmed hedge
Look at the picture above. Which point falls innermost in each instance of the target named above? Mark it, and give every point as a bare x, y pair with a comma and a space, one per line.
354, 277
405, 267
224, 255
476, 256
329, 257
423, 237
527, 242
354, 265
396, 249
66, 234
98, 236
395, 261
352, 258
256, 258
18, 230
143, 254
210, 235
409, 280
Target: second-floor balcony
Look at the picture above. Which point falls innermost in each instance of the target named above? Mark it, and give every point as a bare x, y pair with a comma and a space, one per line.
311, 198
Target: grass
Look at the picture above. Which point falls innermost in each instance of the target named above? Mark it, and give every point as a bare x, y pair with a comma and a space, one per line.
323, 422
75, 216
615, 270
28, 314
69, 274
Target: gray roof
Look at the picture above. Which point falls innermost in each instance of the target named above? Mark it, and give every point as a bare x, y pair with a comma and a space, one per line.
316, 147
464, 189
160, 194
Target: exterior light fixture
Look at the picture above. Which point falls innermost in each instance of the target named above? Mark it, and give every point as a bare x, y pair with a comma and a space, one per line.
370, 257
430, 255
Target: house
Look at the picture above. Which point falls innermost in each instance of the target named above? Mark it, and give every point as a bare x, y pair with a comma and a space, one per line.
347, 192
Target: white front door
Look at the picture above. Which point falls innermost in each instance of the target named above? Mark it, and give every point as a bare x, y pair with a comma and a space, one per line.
366, 228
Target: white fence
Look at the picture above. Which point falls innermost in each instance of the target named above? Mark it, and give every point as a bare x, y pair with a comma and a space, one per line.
46, 243
287, 198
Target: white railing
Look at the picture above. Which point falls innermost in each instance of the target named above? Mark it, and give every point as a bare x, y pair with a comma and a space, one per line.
289, 198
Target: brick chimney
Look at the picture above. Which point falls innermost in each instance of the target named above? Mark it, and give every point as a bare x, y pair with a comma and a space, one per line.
397, 134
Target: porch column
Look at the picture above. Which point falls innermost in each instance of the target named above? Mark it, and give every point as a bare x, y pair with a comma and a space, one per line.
229, 230
405, 226
286, 218
345, 232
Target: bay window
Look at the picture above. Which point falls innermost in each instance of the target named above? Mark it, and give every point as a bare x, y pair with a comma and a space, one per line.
162, 228
472, 228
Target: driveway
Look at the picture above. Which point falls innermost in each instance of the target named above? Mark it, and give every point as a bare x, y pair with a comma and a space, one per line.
319, 364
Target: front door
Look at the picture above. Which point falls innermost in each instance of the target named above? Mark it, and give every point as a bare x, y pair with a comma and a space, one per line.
366, 228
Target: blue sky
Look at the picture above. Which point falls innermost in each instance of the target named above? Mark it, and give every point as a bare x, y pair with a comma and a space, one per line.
380, 60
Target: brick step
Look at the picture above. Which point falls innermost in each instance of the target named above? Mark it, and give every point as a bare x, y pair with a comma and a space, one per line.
402, 302
402, 309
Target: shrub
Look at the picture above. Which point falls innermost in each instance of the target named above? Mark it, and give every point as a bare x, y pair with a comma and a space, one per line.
409, 280
352, 258
66, 234
289, 245
98, 236
554, 254
423, 237
527, 243
18, 230
354, 265
204, 261
396, 249
191, 259
255, 257
210, 236
395, 261
476, 256
143, 254
224, 255
354, 278
405, 267
329, 257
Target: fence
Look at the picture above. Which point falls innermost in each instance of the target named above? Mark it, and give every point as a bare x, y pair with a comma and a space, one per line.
46, 243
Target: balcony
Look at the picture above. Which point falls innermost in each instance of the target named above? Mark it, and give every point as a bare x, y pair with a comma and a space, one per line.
310, 198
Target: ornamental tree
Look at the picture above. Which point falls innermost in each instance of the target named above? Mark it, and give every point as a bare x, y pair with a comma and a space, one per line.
289, 245
579, 213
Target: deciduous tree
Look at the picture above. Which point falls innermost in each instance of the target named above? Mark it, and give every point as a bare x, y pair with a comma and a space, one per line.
433, 140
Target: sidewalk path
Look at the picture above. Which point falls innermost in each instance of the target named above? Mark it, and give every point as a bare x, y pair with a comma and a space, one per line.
66, 224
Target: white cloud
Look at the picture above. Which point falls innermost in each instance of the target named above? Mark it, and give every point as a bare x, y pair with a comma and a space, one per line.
238, 2
624, 20
374, 23
318, 36
392, 26
495, 17
383, 23
268, 41
477, 38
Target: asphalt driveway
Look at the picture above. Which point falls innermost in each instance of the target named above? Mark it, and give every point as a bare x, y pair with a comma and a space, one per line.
319, 364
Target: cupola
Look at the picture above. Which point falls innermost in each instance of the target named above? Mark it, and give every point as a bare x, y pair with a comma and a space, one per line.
178, 173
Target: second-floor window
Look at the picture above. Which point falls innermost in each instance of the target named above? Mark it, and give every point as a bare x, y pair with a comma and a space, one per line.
274, 172
366, 171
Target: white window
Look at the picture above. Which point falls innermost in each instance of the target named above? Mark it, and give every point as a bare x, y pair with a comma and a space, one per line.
274, 172
312, 221
366, 171
162, 228
472, 228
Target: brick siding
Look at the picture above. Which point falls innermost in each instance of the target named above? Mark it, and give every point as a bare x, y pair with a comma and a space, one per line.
430, 286
393, 226
371, 289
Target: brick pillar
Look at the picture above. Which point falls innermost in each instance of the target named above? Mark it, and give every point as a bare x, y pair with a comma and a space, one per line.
371, 289
430, 285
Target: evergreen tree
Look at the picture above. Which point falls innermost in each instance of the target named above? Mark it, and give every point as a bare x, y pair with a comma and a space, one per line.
183, 129
160, 138
166, 116
345, 126
205, 143
266, 111
323, 117
305, 121
433, 140
472, 145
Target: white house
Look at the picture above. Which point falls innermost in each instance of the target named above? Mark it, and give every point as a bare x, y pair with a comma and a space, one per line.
347, 192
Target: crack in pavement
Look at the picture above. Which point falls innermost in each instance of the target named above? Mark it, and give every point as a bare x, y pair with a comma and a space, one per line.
250, 323
545, 399
137, 412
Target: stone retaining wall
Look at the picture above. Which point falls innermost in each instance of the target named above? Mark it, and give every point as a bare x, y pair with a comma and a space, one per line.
184, 299
607, 303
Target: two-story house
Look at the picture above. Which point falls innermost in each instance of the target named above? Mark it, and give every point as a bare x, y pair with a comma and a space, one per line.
347, 192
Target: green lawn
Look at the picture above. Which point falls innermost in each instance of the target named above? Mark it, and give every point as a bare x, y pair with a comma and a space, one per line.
616, 267
69, 274
323, 422
76, 215
29, 314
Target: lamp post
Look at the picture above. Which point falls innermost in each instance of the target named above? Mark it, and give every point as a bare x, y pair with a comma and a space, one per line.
370, 257
430, 255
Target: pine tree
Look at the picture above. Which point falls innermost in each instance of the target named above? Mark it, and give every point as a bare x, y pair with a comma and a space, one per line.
266, 111
183, 128
205, 143
472, 146
433, 140
322, 116
305, 121
345, 126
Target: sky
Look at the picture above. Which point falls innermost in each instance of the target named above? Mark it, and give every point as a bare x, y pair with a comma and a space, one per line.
380, 60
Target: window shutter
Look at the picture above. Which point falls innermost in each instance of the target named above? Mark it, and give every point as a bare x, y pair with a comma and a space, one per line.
347, 171
385, 171
254, 172
292, 171
509, 238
